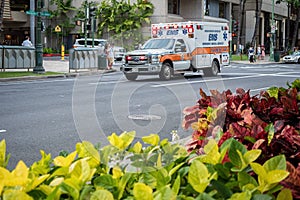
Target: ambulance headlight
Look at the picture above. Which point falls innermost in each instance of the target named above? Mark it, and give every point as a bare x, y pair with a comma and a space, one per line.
155, 58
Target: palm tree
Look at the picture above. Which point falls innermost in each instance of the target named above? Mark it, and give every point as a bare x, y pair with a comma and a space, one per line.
1, 13
255, 36
241, 13
295, 33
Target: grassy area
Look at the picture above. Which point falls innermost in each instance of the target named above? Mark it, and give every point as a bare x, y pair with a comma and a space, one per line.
22, 74
238, 57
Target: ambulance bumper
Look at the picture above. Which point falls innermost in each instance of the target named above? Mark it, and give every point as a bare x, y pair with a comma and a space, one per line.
141, 69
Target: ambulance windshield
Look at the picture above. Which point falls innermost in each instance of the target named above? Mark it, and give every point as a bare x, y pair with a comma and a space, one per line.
159, 44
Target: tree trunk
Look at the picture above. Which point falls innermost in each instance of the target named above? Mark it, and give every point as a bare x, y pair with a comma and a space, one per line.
1, 13
295, 34
287, 36
257, 23
240, 22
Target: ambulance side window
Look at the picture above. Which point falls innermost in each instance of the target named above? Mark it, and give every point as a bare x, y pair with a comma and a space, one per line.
180, 46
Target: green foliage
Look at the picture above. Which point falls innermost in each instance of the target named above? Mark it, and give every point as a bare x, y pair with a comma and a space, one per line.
62, 15
47, 50
159, 170
123, 19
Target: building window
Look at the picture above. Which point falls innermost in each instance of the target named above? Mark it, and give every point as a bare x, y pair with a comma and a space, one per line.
173, 7
222, 10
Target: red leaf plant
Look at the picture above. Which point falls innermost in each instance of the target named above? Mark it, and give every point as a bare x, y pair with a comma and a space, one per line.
269, 121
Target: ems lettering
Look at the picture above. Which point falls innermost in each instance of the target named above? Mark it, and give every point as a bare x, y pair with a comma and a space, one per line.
212, 37
172, 32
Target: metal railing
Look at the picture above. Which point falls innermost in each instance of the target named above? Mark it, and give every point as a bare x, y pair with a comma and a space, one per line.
85, 58
17, 57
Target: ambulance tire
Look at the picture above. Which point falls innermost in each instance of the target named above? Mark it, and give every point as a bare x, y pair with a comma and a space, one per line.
166, 72
131, 77
213, 71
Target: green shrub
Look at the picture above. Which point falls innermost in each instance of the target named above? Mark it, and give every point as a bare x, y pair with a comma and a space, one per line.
47, 50
158, 170
269, 122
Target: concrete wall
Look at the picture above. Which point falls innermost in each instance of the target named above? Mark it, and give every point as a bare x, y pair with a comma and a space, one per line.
192, 9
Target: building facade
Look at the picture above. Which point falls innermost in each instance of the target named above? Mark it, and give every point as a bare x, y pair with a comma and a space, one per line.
16, 24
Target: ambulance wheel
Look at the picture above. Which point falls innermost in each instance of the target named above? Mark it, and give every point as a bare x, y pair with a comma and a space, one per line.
166, 72
213, 71
131, 77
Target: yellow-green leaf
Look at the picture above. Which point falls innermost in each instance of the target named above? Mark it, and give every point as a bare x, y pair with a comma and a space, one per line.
21, 170
198, 176
46, 189
176, 185
127, 138
159, 163
152, 139
259, 169
285, 194
36, 182
251, 155
87, 149
81, 170
2, 153
65, 161
275, 176
16, 194
211, 150
241, 196
56, 181
117, 172
142, 192
18, 177
115, 141
72, 187
137, 147
102, 195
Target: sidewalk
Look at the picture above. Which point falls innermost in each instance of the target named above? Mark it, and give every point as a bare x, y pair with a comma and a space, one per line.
264, 61
59, 66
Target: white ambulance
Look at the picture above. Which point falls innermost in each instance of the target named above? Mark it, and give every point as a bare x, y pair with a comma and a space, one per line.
180, 47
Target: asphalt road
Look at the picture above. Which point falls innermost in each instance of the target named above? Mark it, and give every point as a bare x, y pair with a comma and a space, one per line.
54, 114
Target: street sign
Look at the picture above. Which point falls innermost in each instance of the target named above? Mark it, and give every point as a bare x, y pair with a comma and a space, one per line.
45, 13
57, 29
272, 29
31, 12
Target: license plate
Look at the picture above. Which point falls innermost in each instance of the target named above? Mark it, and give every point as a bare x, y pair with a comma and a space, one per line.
134, 69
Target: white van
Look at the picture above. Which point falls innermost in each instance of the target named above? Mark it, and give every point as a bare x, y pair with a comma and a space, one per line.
98, 43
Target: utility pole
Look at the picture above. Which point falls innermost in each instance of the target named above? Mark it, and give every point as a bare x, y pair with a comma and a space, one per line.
32, 22
86, 10
272, 35
38, 46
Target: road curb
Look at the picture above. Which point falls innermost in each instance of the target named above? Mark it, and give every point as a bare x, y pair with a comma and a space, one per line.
65, 75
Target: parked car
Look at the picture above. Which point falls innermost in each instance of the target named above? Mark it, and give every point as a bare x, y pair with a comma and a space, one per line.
98, 43
293, 58
119, 53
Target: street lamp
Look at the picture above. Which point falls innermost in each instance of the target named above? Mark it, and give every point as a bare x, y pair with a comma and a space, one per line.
272, 35
38, 46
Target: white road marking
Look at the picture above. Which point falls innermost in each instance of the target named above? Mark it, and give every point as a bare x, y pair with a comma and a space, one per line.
259, 89
34, 82
251, 75
107, 82
2, 131
208, 80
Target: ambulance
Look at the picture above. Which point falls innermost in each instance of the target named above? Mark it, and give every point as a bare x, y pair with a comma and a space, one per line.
180, 47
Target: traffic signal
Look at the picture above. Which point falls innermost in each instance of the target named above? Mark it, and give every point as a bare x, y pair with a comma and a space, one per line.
235, 26
92, 11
